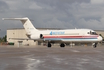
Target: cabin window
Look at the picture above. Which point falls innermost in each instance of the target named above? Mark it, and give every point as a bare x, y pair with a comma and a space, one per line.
88, 33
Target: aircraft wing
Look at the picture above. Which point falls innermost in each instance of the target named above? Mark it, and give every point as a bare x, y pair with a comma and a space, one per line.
26, 39
45, 40
20, 38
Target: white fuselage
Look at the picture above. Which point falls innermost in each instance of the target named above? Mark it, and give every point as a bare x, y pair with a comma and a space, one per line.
69, 35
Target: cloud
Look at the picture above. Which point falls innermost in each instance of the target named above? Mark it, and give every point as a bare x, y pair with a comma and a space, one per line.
97, 1
53, 13
90, 24
34, 6
2, 6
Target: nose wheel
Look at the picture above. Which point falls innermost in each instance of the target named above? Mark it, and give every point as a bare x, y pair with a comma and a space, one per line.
95, 45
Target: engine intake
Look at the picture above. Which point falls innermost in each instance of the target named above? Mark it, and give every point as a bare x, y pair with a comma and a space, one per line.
41, 36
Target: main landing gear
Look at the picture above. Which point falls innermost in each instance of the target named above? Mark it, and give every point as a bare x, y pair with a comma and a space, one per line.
49, 44
62, 45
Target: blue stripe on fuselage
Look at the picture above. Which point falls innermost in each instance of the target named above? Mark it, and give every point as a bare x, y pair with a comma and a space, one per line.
71, 39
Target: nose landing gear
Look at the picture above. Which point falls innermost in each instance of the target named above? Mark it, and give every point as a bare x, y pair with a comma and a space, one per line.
94, 45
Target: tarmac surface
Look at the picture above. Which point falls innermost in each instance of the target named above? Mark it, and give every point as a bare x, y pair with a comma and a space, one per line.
54, 58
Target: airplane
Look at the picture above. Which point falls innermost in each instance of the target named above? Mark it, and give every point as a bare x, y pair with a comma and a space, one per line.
58, 36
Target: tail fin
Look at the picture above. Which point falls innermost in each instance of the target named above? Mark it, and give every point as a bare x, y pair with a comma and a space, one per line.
26, 23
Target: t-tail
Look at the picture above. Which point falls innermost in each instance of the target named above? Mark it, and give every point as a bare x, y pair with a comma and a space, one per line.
30, 29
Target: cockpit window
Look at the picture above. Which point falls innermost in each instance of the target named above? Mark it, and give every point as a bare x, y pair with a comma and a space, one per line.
92, 33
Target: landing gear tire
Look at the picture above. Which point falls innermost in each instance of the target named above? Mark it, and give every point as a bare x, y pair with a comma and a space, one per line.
62, 45
94, 45
49, 45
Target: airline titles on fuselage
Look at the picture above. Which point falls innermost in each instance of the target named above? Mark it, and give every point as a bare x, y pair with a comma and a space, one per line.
57, 33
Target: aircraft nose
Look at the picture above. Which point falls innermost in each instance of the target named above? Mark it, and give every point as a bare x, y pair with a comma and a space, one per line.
100, 38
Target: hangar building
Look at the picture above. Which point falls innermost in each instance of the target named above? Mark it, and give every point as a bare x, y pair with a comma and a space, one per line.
21, 33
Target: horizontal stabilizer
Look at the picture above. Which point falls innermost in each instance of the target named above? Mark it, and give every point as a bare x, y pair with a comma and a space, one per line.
15, 18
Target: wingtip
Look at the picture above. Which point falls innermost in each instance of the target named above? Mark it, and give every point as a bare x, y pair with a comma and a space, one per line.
2, 18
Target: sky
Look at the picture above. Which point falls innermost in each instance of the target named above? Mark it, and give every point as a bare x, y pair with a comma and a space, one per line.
65, 14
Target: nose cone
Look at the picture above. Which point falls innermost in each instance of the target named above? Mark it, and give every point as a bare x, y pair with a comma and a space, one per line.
100, 38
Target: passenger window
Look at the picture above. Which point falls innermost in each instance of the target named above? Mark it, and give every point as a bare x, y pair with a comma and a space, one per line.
88, 33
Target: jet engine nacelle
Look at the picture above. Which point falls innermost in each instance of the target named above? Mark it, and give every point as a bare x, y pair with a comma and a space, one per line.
37, 36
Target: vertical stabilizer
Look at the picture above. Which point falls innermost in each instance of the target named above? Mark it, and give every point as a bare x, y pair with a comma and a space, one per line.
30, 29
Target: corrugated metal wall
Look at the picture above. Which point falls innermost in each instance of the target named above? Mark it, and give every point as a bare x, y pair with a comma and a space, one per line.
19, 33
